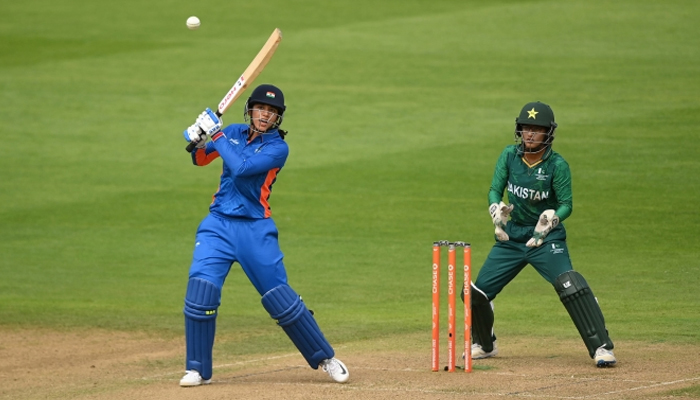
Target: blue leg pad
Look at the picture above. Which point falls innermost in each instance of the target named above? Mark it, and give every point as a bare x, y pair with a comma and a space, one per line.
291, 314
201, 304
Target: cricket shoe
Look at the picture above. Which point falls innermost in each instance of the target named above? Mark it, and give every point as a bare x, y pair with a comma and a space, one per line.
478, 352
193, 378
604, 357
335, 369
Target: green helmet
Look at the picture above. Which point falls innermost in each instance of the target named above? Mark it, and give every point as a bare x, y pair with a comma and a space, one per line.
538, 114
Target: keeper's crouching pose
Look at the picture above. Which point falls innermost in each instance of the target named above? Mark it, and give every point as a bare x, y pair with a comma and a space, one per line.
538, 181
239, 229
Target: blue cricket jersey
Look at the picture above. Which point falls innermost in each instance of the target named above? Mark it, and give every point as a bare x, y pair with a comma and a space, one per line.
249, 170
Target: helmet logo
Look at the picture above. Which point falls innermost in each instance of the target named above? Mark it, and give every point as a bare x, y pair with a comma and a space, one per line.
532, 113
272, 95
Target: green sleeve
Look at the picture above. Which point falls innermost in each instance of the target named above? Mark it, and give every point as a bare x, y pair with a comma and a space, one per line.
562, 188
500, 177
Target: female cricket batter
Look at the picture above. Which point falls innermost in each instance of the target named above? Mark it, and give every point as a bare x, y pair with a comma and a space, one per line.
239, 229
538, 181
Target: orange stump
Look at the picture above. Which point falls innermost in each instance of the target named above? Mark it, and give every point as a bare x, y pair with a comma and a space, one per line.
451, 306
467, 309
436, 307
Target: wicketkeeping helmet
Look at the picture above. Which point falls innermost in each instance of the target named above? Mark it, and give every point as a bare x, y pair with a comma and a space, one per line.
538, 114
267, 94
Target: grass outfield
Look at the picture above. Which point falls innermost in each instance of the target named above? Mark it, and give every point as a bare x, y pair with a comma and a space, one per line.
397, 112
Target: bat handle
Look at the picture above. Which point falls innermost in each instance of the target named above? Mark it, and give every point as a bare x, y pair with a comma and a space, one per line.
192, 145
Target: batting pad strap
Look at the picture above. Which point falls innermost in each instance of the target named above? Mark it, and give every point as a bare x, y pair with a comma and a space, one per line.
202, 299
583, 308
286, 306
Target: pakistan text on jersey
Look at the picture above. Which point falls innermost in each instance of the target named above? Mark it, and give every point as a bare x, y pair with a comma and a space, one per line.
525, 193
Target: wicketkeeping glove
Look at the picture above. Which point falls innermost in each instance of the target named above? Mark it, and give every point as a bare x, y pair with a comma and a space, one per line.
499, 216
548, 220
209, 122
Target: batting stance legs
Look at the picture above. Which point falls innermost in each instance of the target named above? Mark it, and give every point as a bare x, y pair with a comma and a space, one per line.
262, 263
282, 303
504, 262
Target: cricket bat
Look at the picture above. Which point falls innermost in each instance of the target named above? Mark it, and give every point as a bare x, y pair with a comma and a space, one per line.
254, 69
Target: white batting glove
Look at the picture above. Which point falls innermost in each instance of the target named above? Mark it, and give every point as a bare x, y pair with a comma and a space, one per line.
499, 215
195, 134
548, 220
209, 122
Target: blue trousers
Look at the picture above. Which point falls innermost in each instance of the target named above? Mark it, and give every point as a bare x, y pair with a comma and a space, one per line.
253, 243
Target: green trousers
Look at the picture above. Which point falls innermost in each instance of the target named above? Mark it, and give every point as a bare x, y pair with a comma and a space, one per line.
507, 259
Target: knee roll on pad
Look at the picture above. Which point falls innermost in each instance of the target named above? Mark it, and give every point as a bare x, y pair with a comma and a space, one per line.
202, 299
482, 319
201, 305
284, 305
583, 308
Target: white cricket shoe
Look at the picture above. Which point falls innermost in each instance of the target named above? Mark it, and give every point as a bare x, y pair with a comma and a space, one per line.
335, 369
604, 357
478, 353
193, 378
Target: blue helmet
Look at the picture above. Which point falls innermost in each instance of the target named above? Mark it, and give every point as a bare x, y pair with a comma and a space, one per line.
267, 94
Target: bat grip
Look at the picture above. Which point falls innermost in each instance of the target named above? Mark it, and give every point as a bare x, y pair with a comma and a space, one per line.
192, 145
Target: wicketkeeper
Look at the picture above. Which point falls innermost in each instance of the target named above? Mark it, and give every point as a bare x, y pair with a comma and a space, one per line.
239, 229
538, 182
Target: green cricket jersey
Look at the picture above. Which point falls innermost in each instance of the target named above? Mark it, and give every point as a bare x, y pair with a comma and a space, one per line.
533, 189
